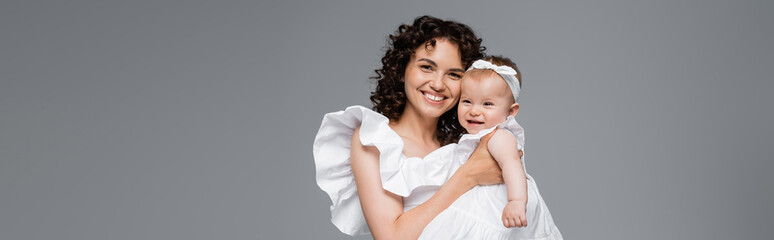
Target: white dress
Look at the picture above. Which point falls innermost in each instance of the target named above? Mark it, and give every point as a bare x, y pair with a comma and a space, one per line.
475, 215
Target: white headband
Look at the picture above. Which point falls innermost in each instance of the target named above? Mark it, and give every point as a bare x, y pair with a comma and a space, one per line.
505, 72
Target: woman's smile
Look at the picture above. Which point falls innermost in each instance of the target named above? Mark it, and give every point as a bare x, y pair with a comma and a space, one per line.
434, 98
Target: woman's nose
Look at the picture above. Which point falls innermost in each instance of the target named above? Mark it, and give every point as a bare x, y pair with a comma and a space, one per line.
437, 84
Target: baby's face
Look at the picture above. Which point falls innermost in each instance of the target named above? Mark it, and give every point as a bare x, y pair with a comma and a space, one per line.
485, 101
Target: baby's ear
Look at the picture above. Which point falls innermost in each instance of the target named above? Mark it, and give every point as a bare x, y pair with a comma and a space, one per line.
514, 109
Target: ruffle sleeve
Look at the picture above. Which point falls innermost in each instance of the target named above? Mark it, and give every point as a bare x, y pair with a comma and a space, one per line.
398, 175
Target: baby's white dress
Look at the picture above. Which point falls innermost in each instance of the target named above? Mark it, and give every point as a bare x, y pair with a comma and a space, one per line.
476, 214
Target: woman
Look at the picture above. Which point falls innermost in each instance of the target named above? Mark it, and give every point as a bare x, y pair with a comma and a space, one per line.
417, 92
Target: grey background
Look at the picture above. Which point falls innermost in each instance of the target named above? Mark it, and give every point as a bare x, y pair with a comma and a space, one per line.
195, 119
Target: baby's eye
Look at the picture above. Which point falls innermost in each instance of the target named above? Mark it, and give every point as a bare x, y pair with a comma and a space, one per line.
488, 104
465, 101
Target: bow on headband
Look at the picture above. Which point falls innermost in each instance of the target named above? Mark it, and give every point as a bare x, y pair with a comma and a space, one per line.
505, 72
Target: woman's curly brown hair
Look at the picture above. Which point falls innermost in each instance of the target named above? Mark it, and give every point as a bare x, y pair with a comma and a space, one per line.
389, 98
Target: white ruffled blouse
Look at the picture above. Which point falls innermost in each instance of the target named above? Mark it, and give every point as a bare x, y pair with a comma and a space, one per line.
475, 215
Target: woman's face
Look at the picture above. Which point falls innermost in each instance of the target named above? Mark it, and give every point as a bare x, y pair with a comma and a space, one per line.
432, 78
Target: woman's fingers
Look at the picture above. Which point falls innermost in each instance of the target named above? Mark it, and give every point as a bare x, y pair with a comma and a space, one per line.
483, 166
481, 147
523, 221
485, 138
493, 175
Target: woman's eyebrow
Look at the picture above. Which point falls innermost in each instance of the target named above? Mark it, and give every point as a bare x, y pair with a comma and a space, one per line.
431, 62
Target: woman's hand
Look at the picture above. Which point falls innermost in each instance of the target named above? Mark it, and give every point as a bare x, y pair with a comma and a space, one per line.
481, 168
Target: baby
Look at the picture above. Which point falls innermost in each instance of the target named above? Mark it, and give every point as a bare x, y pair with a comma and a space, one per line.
488, 103
514, 210
490, 90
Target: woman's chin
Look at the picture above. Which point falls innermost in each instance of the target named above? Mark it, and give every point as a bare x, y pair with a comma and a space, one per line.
432, 110
436, 112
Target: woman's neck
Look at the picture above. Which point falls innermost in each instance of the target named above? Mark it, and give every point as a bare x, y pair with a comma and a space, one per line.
416, 127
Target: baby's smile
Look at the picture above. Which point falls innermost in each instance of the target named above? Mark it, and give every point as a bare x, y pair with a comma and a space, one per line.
473, 122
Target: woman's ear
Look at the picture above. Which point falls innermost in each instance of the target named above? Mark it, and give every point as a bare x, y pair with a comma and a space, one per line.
514, 109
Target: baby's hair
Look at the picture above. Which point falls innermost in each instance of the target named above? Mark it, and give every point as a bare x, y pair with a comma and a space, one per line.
504, 61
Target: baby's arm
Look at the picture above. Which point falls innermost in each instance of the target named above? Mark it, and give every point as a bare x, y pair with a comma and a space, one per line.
503, 147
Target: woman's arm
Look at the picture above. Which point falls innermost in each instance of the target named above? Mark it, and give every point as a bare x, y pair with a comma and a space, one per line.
383, 210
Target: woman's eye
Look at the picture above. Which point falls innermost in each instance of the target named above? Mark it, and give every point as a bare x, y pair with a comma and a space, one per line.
455, 76
426, 67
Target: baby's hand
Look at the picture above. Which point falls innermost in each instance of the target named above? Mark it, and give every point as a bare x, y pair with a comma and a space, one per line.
515, 214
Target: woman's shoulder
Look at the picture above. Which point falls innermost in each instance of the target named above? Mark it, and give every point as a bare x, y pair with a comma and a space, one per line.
332, 149
356, 126
351, 117
372, 128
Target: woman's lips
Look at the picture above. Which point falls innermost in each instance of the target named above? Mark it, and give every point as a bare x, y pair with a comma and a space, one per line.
432, 98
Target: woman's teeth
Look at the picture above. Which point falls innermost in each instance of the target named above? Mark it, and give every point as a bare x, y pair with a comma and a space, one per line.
433, 97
